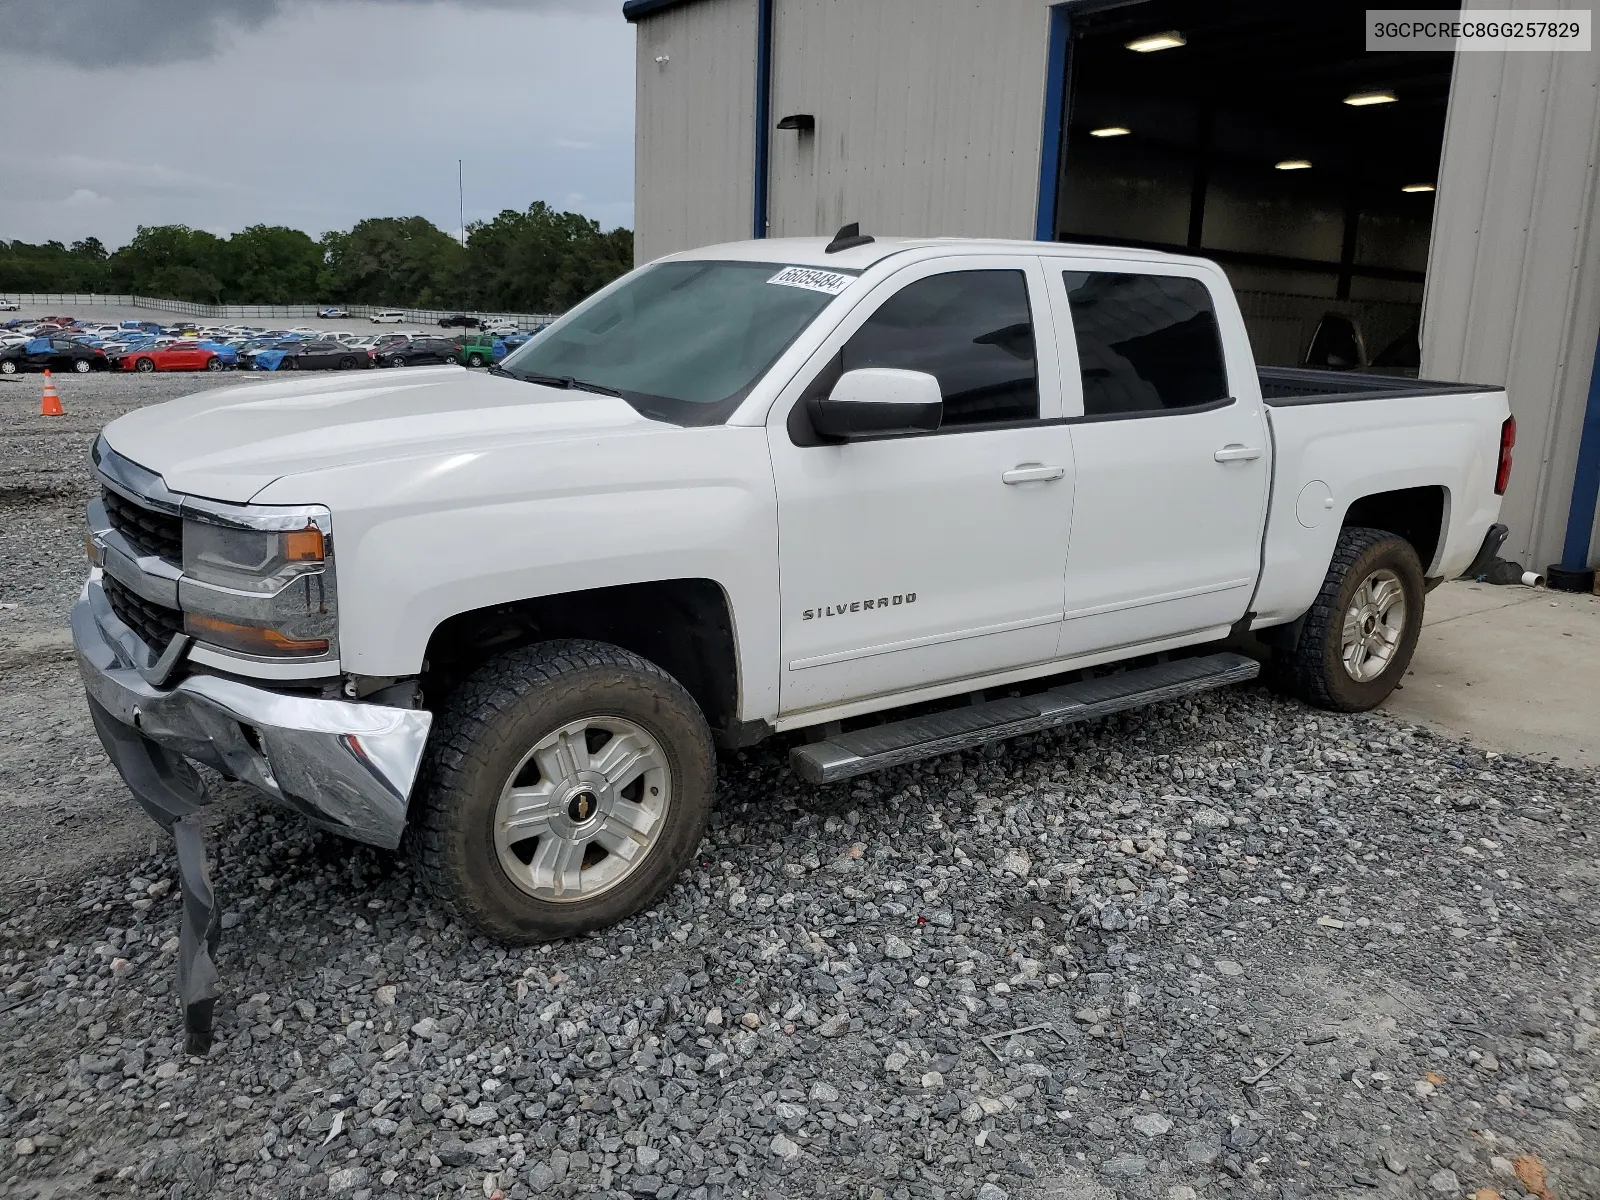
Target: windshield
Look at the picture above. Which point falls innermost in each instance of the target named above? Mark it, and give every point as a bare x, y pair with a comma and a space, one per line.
681, 341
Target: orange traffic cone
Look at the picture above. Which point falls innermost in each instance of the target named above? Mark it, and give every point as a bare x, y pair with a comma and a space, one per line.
50, 405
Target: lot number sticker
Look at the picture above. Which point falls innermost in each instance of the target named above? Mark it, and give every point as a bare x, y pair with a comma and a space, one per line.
814, 281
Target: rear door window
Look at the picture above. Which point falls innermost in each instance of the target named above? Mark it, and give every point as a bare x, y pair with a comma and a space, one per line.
1146, 343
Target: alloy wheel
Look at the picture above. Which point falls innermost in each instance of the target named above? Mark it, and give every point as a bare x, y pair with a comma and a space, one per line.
1374, 623
583, 809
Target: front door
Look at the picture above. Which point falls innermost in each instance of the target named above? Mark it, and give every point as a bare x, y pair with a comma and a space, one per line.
1172, 462
915, 560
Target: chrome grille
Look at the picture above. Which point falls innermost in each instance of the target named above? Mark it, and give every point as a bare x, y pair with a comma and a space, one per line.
149, 532
154, 623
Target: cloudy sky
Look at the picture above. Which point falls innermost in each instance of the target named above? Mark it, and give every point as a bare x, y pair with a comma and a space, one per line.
312, 113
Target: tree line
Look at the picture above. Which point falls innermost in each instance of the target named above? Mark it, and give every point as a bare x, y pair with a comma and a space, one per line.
540, 260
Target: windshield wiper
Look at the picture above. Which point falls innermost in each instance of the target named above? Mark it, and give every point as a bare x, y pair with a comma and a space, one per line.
566, 382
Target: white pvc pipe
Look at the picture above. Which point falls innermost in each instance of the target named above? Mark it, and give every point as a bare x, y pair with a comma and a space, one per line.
1532, 579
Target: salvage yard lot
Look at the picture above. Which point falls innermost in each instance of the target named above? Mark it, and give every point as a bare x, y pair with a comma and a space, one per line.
1392, 936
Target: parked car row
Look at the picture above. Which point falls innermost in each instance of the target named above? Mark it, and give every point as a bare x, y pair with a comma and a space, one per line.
64, 343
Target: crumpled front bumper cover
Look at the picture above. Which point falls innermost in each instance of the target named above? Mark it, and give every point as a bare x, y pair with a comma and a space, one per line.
347, 767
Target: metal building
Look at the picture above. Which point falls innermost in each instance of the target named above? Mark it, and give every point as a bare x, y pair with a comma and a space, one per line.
1410, 212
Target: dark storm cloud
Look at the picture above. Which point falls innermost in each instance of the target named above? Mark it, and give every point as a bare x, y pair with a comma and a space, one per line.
105, 33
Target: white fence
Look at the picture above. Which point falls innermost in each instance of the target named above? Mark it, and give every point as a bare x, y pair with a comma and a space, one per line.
62, 303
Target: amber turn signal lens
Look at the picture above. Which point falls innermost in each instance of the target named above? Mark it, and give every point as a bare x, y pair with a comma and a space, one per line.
250, 639
303, 545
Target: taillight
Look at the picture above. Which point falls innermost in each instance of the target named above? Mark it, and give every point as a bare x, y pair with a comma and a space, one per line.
1508, 439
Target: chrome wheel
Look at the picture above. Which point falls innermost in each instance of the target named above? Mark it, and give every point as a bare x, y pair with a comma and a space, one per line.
583, 809
1373, 626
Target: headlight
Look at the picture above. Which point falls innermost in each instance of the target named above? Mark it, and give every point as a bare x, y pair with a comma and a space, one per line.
249, 560
259, 583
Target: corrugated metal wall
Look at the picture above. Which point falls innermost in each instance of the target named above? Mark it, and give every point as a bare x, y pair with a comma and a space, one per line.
1513, 293
928, 116
694, 130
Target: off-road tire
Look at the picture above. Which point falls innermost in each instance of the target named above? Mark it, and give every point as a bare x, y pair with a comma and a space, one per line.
1313, 670
482, 732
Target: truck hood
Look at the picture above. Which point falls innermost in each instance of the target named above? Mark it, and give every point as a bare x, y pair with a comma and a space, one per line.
230, 443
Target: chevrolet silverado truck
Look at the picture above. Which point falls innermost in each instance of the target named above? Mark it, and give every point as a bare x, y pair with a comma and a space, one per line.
904, 495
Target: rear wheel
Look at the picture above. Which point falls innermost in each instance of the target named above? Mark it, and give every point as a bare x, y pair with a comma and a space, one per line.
213, 363
474, 360
1361, 632
346, 363
565, 787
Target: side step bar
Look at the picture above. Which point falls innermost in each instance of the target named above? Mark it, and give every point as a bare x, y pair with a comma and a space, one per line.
890, 745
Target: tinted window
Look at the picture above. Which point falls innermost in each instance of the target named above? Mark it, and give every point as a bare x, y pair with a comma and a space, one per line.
1145, 342
971, 330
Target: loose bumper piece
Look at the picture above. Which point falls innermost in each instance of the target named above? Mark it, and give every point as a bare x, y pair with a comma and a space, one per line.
346, 767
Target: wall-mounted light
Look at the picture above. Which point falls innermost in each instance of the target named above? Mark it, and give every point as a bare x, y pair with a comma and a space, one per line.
799, 122
1294, 164
1363, 99
1109, 131
1417, 187
1170, 40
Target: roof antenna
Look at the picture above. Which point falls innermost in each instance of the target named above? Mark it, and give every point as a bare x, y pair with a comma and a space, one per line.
848, 236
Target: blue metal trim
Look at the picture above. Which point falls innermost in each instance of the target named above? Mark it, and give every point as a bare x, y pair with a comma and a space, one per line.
632, 10
763, 115
1586, 480
1055, 102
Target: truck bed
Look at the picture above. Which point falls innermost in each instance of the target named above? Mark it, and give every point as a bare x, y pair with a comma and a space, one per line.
1285, 386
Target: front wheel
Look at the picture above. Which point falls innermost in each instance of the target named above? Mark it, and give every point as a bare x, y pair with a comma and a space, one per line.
1359, 636
566, 785
8, 366
144, 365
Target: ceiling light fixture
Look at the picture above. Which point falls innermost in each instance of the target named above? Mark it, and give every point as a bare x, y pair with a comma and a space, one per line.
1363, 99
1294, 164
1169, 40
1109, 131
1417, 187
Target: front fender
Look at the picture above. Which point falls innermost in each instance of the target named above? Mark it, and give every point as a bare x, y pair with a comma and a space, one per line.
422, 540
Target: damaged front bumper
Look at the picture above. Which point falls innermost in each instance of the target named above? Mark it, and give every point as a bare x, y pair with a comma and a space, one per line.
347, 767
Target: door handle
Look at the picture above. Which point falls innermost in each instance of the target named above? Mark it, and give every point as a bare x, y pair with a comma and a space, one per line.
1032, 473
1234, 452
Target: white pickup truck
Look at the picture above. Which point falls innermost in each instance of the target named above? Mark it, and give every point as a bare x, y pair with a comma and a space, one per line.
908, 495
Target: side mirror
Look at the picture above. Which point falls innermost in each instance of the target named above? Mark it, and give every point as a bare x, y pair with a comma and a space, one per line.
873, 401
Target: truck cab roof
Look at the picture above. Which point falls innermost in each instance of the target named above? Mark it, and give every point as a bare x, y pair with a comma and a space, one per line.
813, 251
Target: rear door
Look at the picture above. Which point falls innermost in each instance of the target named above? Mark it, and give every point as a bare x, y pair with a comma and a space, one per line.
914, 560
1173, 463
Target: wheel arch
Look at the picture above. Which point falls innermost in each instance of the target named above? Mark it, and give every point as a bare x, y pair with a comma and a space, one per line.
1417, 514
684, 626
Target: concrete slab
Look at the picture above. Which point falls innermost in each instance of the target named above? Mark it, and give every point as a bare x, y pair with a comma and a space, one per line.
1512, 669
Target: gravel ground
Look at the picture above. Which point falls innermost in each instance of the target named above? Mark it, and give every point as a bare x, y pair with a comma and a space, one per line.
1280, 953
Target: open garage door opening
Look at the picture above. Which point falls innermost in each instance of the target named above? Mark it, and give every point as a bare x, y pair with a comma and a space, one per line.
1266, 137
